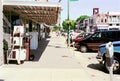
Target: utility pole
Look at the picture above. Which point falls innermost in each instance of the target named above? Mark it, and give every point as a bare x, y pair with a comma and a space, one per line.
68, 24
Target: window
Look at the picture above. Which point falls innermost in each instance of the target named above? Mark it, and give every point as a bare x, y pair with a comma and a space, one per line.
110, 24
96, 36
102, 20
117, 24
112, 35
105, 20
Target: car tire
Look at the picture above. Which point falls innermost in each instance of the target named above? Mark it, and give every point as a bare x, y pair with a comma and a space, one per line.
116, 66
83, 48
31, 58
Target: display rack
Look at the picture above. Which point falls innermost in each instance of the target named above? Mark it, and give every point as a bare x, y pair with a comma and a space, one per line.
17, 51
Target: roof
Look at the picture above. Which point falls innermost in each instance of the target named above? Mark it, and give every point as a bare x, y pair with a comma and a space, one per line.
114, 13
39, 12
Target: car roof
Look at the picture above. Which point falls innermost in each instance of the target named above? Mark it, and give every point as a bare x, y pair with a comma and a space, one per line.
114, 43
108, 31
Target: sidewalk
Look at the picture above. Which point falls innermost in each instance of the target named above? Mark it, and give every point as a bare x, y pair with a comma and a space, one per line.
53, 62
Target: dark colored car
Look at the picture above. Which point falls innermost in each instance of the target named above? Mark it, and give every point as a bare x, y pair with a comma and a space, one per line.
102, 59
81, 36
92, 42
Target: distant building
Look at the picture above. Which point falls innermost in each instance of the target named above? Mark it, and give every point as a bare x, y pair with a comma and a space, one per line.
114, 20
96, 22
100, 21
108, 21
88, 24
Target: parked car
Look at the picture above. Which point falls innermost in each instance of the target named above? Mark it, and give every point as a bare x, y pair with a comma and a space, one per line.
81, 36
99, 37
102, 59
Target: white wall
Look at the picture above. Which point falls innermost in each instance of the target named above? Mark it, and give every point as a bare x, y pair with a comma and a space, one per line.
1, 33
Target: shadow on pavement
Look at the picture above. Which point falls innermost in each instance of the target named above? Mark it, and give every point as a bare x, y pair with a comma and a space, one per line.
56, 46
89, 51
1, 80
41, 48
99, 67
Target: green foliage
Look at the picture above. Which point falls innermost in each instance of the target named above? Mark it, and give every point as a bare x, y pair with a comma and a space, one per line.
5, 46
57, 27
70, 22
81, 18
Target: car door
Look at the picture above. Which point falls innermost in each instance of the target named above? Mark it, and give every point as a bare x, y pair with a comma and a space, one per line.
95, 40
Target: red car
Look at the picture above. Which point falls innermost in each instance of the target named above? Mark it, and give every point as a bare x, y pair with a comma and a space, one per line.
81, 36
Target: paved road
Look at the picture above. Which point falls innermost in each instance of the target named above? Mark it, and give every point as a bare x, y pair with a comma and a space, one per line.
92, 67
55, 62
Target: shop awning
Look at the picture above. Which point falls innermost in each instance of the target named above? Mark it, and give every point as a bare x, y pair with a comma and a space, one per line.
39, 12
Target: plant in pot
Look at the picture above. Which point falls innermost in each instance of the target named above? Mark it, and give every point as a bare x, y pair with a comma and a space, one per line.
5, 49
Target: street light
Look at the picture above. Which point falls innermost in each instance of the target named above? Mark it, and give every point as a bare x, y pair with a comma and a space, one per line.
68, 23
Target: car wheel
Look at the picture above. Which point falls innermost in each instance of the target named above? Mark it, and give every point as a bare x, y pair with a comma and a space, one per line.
83, 49
116, 65
31, 58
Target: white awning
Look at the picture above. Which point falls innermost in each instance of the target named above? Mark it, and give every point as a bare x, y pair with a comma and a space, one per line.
39, 12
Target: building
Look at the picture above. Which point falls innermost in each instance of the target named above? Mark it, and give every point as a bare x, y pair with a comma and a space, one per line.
96, 22
108, 21
88, 24
100, 21
34, 15
114, 20
1, 33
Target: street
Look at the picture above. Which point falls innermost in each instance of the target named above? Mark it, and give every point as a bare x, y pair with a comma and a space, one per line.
56, 62
95, 70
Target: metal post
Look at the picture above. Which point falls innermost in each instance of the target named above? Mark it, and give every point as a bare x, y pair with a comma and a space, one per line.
68, 26
110, 58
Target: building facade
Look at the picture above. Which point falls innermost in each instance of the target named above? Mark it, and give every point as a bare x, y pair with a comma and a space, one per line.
114, 20
100, 21
88, 24
1, 33
108, 21
28, 13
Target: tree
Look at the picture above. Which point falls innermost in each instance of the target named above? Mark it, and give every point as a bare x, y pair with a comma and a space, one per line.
57, 27
70, 22
82, 18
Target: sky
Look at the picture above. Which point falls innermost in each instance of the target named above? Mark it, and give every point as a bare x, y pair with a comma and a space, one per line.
85, 7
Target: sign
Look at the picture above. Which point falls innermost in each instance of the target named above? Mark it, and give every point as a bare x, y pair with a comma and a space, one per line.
73, 0
95, 11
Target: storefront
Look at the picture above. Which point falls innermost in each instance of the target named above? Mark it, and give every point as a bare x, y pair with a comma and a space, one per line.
28, 13
1, 33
